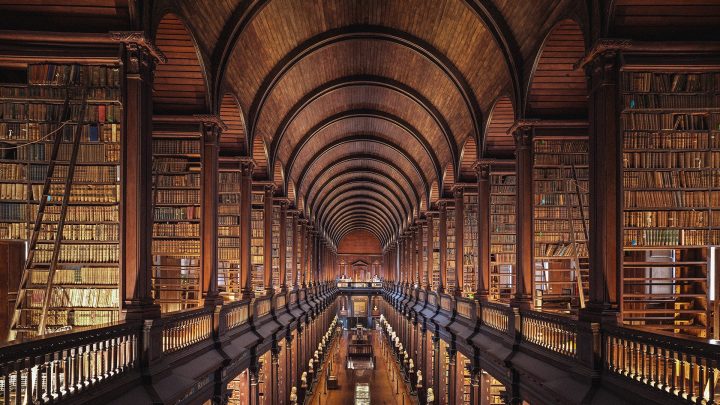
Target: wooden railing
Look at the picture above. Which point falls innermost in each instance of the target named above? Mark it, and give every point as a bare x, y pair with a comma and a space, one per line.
236, 314
65, 365
553, 332
185, 328
684, 368
495, 316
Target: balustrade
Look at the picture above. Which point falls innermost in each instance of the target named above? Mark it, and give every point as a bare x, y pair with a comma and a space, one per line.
63, 366
236, 314
495, 316
185, 328
553, 332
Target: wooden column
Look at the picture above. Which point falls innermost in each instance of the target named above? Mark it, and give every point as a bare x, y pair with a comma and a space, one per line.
246, 169
136, 210
283, 245
524, 206
431, 249
442, 205
483, 276
452, 376
605, 245
269, 191
459, 238
303, 252
211, 128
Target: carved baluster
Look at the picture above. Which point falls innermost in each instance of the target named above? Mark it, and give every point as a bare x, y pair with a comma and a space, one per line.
5, 370
18, 381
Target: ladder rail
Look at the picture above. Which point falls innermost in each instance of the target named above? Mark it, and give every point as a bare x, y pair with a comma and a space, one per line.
571, 227
63, 213
37, 226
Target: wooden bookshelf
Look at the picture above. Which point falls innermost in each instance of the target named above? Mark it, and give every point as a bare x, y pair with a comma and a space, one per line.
464, 380
276, 244
450, 249
239, 388
470, 243
671, 195
502, 235
229, 193
561, 222
493, 392
257, 241
176, 229
290, 235
436, 252
68, 115
423, 266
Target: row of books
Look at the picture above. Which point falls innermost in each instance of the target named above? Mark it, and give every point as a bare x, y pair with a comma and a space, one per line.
560, 186
109, 276
80, 254
92, 214
231, 200
671, 179
502, 224
14, 230
80, 193
505, 255
667, 121
176, 229
176, 146
560, 249
553, 226
176, 213
674, 101
228, 254
96, 76
229, 221
94, 94
502, 209
183, 180
229, 243
12, 212
502, 189
671, 160
176, 247
557, 236
229, 182
669, 140
560, 159
258, 198
13, 191
670, 199
73, 317
182, 196
502, 239
644, 82
87, 153
88, 232
541, 199
554, 173
173, 165
671, 219
554, 213
502, 199
545, 146
62, 297
101, 113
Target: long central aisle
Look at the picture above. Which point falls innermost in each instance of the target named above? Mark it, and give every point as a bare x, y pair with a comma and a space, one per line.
384, 387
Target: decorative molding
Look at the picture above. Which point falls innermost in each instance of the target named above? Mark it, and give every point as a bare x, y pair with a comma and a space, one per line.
603, 46
138, 38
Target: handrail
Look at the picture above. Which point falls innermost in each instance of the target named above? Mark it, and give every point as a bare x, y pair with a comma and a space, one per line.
495, 316
65, 365
554, 332
684, 368
185, 328
235, 314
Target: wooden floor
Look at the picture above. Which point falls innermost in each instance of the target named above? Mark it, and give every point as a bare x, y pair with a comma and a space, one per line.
383, 385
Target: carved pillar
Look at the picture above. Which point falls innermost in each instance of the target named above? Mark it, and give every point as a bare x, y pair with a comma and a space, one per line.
484, 269
246, 169
524, 206
603, 75
452, 376
136, 215
442, 205
283, 246
269, 191
211, 128
274, 382
459, 238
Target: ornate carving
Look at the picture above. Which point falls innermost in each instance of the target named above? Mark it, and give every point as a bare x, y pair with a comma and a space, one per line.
458, 191
522, 133
138, 38
483, 170
247, 165
605, 47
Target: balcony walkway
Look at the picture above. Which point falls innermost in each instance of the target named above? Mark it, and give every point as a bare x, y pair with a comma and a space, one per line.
382, 382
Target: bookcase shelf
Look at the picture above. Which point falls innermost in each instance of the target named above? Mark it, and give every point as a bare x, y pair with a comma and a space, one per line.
229, 195
502, 235
289, 237
436, 252
561, 222
424, 256
257, 241
276, 244
671, 192
470, 243
176, 227
79, 107
450, 249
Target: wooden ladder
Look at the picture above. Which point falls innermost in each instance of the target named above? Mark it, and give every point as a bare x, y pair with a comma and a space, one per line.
50, 232
572, 183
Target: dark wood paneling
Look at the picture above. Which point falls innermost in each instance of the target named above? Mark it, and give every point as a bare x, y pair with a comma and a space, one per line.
497, 140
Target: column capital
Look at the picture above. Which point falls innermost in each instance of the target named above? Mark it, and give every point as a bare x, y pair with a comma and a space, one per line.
522, 131
603, 48
269, 189
458, 190
482, 168
137, 41
247, 165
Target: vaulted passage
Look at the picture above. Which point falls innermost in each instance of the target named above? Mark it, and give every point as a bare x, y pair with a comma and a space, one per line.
377, 201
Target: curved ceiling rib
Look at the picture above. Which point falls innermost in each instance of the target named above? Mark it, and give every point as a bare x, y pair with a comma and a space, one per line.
405, 127
353, 226
335, 148
373, 33
363, 184
362, 203
350, 82
372, 175
362, 219
353, 196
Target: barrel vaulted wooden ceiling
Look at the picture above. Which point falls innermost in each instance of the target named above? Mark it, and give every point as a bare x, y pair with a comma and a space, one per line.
365, 112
